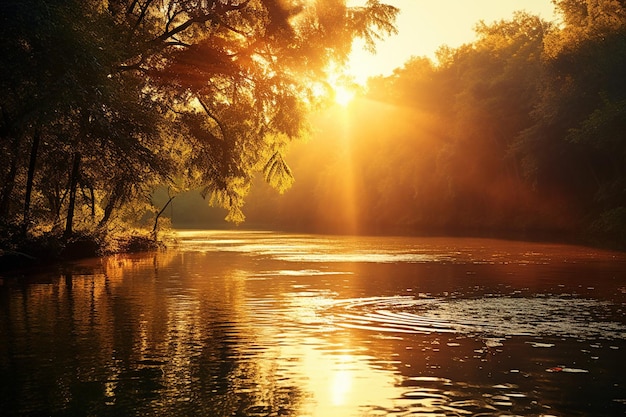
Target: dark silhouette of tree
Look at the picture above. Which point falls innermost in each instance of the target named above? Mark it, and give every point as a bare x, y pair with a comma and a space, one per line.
576, 143
104, 100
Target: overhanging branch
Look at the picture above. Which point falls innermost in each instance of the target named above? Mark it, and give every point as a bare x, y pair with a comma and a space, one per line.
208, 112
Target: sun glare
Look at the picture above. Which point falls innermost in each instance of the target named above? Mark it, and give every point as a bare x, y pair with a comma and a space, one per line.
343, 95
341, 83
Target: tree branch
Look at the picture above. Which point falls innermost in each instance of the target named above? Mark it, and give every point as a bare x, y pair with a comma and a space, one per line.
156, 220
183, 26
220, 9
208, 112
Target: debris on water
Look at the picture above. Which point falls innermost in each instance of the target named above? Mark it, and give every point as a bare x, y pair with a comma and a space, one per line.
567, 370
505, 386
493, 342
541, 345
430, 379
575, 370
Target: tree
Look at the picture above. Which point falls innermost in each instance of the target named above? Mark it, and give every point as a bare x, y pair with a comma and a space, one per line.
118, 96
241, 75
576, 145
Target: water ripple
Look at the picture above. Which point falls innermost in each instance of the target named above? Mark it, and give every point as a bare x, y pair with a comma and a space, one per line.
495, 316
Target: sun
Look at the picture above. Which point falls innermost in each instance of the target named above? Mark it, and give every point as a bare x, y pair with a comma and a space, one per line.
342, 84
338, 85
343, 95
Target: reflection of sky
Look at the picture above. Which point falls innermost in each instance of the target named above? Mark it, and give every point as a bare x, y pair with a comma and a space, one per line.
314, 248
182, 332
282, 341
294, 332
357, 257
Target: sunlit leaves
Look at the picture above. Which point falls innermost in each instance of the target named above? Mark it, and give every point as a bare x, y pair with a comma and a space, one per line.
585, 20
182, 92
229, 196
277, 173
252, 67
373, 21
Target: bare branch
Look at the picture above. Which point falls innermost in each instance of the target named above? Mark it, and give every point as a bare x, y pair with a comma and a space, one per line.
215, 16
132, 6
208, 112
183, 26
142, 15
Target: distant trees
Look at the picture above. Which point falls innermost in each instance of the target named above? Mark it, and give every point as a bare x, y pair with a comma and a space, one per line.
521, 131
101, 101
577, 141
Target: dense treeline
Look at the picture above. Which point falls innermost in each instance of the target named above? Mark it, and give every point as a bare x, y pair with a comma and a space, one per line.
102, 100
522, 131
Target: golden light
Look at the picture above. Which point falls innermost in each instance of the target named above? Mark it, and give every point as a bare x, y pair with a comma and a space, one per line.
425, 26
340, 83
343, 95
342, 381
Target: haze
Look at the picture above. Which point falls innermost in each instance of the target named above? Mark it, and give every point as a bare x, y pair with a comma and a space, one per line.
424, 26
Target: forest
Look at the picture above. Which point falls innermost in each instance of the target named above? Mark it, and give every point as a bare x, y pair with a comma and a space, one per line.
103, 101
520, 133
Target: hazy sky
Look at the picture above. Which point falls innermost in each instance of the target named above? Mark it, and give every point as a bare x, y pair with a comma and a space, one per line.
424, 25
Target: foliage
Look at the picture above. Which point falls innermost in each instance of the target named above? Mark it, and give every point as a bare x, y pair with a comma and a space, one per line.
520, 132
103, 100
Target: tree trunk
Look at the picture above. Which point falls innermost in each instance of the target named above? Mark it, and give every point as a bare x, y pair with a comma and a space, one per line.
72, 201
156, 220
29, 181
7, 190
9, 182
108, 210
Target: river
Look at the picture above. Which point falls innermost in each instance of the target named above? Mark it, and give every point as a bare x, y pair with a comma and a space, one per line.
239, 323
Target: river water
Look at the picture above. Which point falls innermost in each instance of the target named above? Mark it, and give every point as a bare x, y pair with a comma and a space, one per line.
266, 324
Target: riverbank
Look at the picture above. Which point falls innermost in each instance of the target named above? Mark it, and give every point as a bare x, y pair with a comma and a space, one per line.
48, 249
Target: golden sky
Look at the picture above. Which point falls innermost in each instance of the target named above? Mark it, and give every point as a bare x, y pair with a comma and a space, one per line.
425, 25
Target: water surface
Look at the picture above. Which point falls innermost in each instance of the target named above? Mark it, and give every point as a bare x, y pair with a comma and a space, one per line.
267, 324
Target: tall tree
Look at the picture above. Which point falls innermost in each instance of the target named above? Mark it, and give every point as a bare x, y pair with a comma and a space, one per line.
124, 95
239, 75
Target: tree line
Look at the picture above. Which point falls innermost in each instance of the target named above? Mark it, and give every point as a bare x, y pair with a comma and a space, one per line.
521, 132
103, 100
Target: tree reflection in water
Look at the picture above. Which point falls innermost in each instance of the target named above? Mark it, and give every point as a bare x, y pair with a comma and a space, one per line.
126, 338
318, 327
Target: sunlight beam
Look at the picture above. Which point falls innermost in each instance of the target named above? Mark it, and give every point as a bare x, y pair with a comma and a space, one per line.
343, 95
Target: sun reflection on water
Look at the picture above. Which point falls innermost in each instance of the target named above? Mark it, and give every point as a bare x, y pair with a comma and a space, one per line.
342, 380
221, 333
